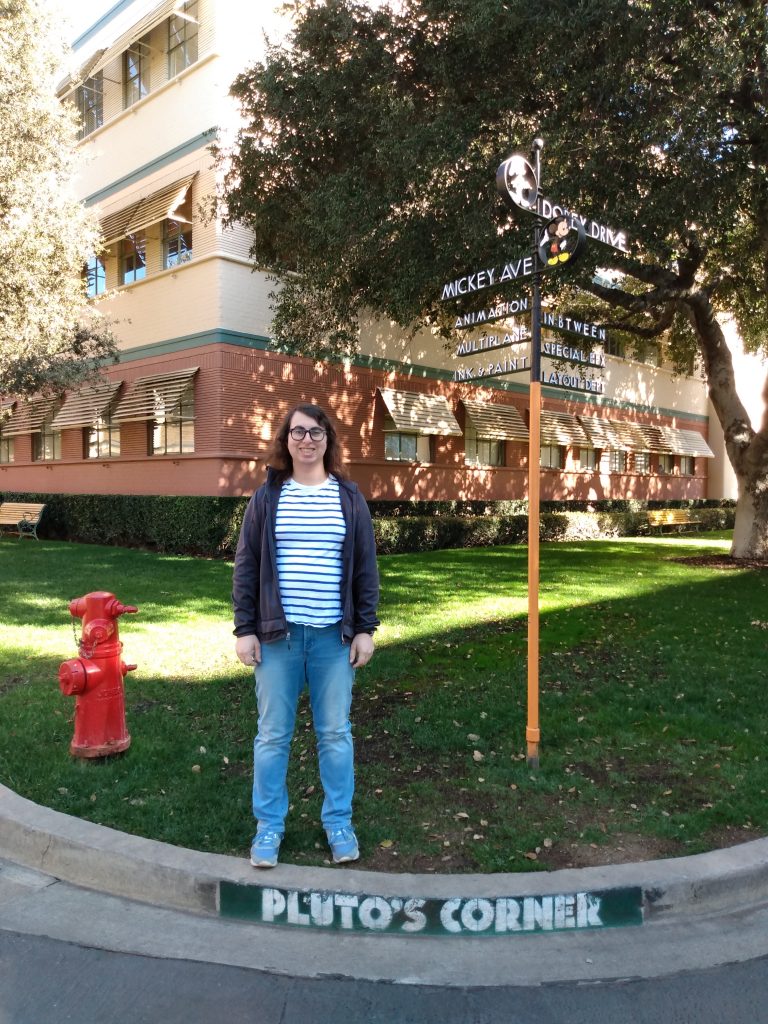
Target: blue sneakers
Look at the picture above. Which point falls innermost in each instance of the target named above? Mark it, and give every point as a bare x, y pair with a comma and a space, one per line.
265, 848
343, 843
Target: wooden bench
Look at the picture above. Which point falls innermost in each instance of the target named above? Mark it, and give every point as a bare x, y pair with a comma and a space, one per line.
675, 518
23, 516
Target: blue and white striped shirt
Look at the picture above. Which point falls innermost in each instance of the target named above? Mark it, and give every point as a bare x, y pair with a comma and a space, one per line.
310, 531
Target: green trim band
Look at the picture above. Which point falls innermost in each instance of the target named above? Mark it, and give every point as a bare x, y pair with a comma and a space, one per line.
204, 139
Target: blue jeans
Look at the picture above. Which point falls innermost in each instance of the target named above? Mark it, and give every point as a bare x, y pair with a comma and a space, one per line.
317, 658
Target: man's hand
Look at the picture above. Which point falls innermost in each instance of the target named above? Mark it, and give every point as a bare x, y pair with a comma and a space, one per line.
248, 650
361, 650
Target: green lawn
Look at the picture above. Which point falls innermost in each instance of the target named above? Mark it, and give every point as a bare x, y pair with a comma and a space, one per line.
653, 714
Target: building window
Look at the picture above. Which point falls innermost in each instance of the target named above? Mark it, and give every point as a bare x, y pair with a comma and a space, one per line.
90, 105
551, 456
588, 458
6, 449
642, 462
618, 461
401, 447
133, 258
686, 465
177, 243
182, 38
613, 347
666, 464
95, 277
46, 443
102, 438
136, 72
648, 353
173, 431
482, 451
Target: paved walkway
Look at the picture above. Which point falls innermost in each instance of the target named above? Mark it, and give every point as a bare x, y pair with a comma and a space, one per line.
70, 879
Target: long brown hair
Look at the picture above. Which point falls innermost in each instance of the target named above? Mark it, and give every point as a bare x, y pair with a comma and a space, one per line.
279, 458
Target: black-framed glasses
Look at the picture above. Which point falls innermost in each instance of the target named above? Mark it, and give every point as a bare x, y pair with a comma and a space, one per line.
299, 433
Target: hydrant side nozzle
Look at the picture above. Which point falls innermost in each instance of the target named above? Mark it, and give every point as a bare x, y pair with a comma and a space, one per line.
115, 607
127, 668
77, 607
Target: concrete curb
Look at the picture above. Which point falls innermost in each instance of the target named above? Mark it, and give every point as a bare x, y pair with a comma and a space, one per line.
102, 859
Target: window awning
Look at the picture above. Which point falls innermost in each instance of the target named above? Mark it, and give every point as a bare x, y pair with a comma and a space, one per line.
160, 205
688, 442
655, 440
497, 422
416, 413
28, 417
149, 397
613, 434
84, 407
562, 429
154, 14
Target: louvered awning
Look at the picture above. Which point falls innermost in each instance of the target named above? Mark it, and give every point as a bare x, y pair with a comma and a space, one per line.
613, 434
655, 440
84, 407
160, 205
563, 429
149, 397
497, 422
28, 417
152, 15
688, 442
416, 413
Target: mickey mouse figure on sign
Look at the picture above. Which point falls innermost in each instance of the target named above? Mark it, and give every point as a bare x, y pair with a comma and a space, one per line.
562, 241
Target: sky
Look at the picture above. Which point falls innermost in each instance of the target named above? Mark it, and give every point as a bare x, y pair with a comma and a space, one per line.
78, 15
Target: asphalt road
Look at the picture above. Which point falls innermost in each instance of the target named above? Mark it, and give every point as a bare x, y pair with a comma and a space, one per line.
47, 981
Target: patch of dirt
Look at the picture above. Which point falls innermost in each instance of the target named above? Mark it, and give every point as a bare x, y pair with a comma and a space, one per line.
622, 848
722, 562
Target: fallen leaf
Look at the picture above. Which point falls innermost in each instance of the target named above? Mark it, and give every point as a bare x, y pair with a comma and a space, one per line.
386, 844
477, 756
531, 856
472, 737
196, 768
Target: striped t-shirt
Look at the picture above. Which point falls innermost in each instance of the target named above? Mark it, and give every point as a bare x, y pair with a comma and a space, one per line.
310, 531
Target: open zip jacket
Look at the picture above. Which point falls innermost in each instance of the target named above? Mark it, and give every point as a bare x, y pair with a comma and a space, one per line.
255, 587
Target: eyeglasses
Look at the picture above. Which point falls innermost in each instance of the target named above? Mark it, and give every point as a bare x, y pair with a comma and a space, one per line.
299, 433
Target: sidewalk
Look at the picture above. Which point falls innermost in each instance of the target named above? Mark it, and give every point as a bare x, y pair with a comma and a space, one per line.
71, 879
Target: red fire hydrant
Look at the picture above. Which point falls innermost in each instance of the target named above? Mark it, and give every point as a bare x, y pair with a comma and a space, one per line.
95, 679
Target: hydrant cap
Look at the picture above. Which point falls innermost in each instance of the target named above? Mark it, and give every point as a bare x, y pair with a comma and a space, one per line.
72, 677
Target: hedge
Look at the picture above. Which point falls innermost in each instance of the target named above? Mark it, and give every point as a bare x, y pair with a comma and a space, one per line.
209, 526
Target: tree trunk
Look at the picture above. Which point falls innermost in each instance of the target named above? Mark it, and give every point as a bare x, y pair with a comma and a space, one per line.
747, 449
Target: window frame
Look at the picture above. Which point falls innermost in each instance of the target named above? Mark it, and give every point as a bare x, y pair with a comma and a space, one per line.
617, 460
642, 463
136, 81
89, 100
592, 462
687, 465
7, 449
46, 442
400, 437
96, 272
138, 253
666, 464
178, 233
103, 435
186, 34
181, 421
545, 462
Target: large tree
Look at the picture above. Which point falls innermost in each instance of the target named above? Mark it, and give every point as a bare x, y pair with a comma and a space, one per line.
366, 171
49, 338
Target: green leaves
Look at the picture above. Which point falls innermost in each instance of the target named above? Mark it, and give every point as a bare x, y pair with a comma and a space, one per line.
49, 339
